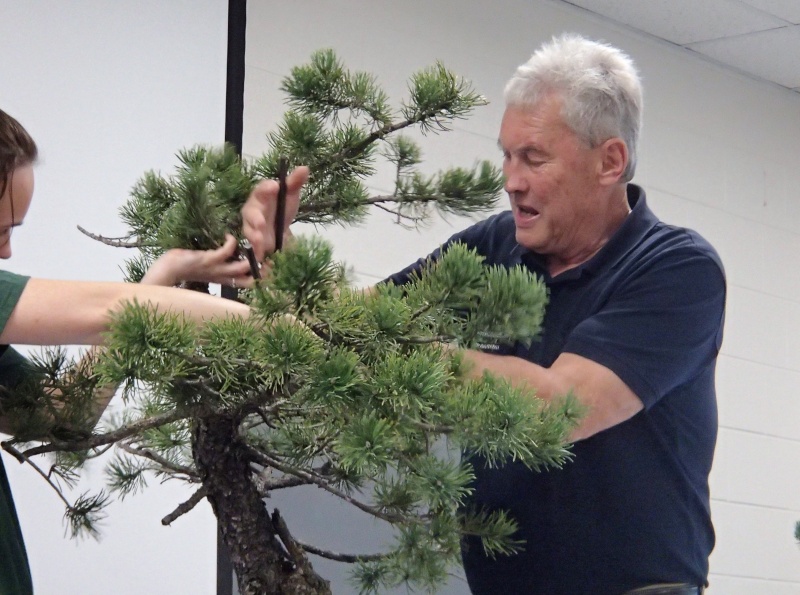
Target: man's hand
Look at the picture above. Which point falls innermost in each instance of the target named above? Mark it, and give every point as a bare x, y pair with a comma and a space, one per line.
258, 213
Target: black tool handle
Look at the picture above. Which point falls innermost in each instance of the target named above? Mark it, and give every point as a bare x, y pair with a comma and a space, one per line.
255, 269
280, 212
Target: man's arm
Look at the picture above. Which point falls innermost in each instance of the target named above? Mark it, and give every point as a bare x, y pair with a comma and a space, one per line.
608, 400
660, 327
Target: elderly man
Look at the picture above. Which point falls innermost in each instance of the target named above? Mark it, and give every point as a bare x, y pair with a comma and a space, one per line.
633, 329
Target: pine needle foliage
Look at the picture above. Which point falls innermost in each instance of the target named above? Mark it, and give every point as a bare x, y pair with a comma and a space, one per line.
364, 395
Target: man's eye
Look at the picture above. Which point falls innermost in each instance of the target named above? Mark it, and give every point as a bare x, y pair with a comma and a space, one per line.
534, 160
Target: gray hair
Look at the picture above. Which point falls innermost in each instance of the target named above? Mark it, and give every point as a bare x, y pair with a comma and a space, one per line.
598, 84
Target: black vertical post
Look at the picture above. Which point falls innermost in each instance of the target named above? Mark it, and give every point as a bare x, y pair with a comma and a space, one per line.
234, 94
234, 118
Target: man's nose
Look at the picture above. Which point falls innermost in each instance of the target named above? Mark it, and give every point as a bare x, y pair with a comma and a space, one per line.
514, 181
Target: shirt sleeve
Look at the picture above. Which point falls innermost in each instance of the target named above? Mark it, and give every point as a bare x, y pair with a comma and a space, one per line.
659, 329
402, 277
490, 237
13, 365
11, 287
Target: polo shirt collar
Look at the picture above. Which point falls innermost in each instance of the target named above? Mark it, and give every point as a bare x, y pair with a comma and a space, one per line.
635, 227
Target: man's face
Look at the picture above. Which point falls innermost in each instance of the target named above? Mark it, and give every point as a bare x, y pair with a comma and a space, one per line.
551, 180
19, 190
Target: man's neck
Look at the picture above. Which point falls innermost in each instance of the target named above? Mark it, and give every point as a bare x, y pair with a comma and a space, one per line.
611, 221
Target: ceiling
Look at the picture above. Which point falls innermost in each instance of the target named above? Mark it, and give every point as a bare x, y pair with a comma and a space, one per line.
759, 38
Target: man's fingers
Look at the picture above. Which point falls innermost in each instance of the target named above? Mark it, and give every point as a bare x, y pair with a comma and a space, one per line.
265, 193
297, 177
258, 213
294, 186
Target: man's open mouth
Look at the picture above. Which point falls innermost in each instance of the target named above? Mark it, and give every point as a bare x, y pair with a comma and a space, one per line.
526, 212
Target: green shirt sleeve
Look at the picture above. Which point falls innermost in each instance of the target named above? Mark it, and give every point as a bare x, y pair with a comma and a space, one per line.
11, 286
12, 364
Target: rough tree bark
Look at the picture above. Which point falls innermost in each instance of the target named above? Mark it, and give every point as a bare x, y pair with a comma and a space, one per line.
262, 564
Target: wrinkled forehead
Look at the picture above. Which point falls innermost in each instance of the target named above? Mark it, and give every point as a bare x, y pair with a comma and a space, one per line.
542, 120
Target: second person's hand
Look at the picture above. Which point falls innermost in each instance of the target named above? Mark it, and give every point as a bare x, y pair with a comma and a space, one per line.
220, 265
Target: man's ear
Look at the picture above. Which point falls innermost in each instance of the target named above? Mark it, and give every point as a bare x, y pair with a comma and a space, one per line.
613, 161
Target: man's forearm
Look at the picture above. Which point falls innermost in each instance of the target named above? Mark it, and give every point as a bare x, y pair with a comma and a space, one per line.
607, 399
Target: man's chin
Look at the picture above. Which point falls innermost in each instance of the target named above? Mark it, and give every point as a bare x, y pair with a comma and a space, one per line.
529, 241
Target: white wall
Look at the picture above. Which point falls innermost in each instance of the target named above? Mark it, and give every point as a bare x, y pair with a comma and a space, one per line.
719, 153
108, 90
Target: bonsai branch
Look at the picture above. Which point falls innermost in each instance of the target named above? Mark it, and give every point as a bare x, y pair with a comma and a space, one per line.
185, 507
400, 216
314, 207
434, 113
190, 474
265, 483
320, 482
23, 457
110, 437
124, 242
339, 557
294, 550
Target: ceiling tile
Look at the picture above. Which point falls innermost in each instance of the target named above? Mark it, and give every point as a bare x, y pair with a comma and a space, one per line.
785, 9
768, 54
685, 21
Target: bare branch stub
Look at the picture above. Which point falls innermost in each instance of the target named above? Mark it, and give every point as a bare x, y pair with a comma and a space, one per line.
122, 242
185, 507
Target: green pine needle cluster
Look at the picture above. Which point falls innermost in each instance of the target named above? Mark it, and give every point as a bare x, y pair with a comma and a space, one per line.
56, 388
194, 208
85, 514
340, 123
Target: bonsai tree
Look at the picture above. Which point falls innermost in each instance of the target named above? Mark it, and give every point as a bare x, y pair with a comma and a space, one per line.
362, 394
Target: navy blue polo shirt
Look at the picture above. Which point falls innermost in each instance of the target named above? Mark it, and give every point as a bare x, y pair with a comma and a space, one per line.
632, 508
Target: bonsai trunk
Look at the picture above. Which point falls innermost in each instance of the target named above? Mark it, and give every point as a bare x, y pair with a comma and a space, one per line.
262, 564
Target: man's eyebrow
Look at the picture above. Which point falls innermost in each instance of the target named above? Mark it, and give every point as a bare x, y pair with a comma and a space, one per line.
523, 149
